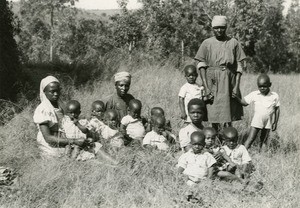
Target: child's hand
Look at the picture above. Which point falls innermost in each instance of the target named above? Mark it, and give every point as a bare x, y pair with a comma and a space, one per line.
75, 121
274, 126
183, 116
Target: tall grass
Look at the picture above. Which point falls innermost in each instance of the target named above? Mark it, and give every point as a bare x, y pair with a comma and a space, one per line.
149, 179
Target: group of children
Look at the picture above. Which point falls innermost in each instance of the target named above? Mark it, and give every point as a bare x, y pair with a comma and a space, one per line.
206, 152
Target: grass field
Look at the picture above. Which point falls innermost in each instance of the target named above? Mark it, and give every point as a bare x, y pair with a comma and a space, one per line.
149, 179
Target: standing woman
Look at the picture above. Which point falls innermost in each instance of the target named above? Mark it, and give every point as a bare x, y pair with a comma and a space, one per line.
220, 61
47, 116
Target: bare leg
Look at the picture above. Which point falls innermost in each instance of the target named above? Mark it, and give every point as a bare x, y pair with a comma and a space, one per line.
75, 152
251, 137
229, 176
263, 137
68, 150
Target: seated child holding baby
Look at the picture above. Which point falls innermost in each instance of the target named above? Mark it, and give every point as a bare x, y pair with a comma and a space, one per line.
97, 113
157, 138
131, 125
237, 153
73, 128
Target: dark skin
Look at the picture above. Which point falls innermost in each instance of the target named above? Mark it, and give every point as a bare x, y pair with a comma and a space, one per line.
198, 143
159, 128
220, 34
191, 77
98, 109
73, 111
122, 87
263, 84
52, 92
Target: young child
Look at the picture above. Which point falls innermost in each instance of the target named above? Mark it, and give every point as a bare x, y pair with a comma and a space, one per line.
131, 125
196, 111
266, 110
96, 120
157, 112
110, 131
189, 91
73, 128
237, 153
197, 164
121, 98
155, 138
223, 160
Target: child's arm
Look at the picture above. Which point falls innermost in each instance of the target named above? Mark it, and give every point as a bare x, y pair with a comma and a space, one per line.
210, 172
180, 170
123, 129
276, 114
227, 158
182, 108
241, 101
82, 128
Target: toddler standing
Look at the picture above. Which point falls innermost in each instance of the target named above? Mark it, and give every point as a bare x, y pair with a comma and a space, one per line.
266, 110
189, 91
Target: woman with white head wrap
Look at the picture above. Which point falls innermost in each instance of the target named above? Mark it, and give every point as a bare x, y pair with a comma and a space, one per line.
219, 59
121, 98
47, 116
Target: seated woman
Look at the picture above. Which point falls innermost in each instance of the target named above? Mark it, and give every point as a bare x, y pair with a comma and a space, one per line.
47, 116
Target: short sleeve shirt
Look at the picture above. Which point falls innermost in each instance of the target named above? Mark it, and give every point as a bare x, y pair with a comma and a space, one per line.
196, 165
71, 130
264, 107
154, 139
134, 127
185, 134
239, 155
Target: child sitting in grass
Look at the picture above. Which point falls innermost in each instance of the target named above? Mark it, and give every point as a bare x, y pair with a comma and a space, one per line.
131, 125
97, 113
189, 91
120, 99
223, 160
237, 153
266, 110
196, 163
196, 111
73, 128
110, 132
157, 138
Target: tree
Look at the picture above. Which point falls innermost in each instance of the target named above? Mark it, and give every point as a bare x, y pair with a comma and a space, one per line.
9, 59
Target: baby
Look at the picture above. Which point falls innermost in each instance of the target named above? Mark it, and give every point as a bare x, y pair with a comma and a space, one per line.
266, 110
155, 138
73, 128
110, 131
197, 163
197, 111
131, 125
237, 153
189, 91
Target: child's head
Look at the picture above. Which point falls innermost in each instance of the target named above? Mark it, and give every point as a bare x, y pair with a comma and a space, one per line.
190, 72
134, 108
157, 111
159, 124
264, 84
98, 109
73, 109
111, 118
231, 137
197, 141
196, 110
210, 136
122, 83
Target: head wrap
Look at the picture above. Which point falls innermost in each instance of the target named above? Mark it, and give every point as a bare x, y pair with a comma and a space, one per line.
47, 80
219, 21
120, 76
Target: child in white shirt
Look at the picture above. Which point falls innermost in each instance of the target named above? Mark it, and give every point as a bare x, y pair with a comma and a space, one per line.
96, 120
237, 153
189, 91
266, 110
197, 163
155, 138
131, 125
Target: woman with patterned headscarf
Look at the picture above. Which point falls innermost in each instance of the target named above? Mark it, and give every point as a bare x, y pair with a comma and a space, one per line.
220, 61
47, 116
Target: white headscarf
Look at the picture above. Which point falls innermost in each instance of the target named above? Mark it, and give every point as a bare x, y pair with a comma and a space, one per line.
47, 80
219, 21
120, 76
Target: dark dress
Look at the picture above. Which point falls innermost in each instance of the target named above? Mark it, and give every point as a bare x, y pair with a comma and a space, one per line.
119, 103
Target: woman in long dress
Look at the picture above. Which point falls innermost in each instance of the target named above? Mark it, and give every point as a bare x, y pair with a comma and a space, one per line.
220, 61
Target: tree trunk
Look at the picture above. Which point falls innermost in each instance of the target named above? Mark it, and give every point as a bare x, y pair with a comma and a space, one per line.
51, 32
